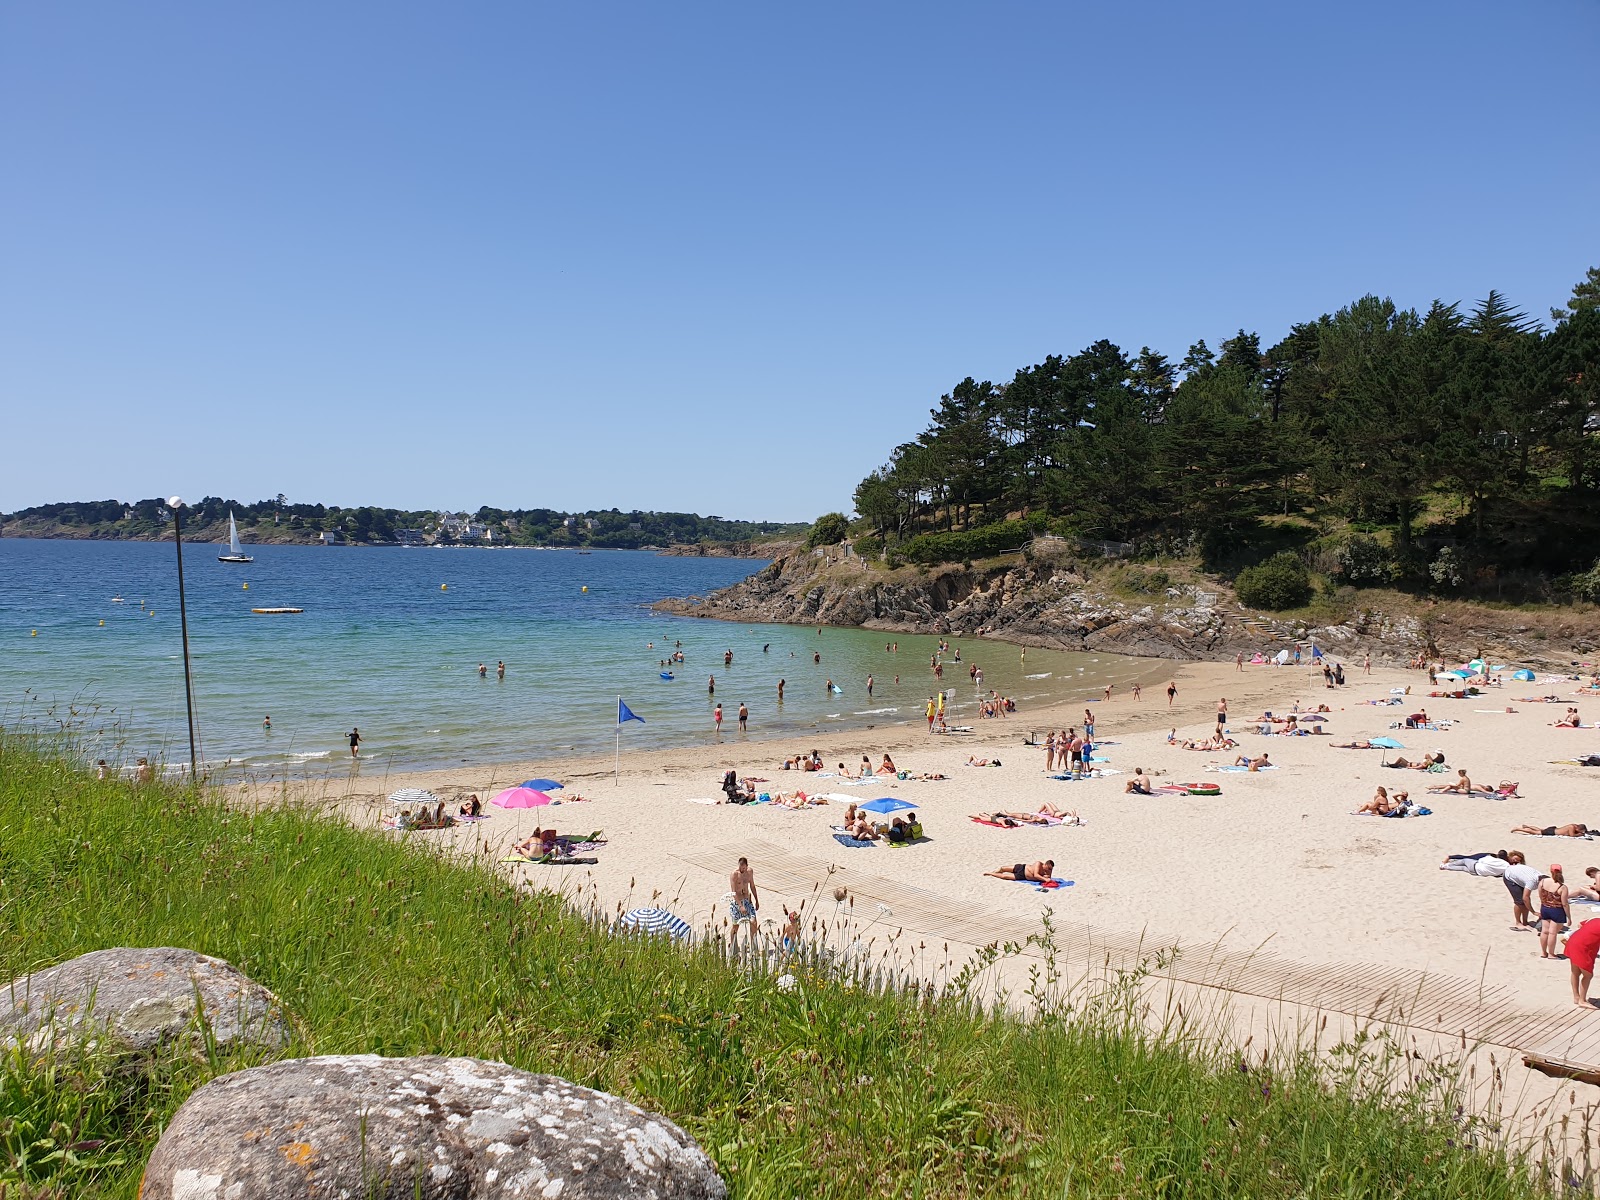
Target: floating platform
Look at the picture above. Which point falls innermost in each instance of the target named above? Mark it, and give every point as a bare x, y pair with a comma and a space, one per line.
275, 611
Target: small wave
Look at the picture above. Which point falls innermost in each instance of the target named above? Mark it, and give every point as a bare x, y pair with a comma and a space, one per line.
1046, 675
872, 712
311, 754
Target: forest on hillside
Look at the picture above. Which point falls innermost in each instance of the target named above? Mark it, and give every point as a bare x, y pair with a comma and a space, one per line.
1456, 448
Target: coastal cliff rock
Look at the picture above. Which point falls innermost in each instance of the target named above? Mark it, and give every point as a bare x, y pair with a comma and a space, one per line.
142, 998
1053, 598
457, 1128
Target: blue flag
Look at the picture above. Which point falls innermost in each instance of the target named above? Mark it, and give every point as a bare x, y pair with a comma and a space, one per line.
626, 714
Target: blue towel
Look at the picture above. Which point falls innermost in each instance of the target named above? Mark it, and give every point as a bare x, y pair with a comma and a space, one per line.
1036, 885
844, 839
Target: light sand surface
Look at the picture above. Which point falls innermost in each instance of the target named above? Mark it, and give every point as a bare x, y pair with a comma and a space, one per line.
1276, 861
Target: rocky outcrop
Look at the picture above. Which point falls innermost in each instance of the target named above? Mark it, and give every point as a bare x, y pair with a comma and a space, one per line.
142, 998
393, 1128
1050, 599
730, 550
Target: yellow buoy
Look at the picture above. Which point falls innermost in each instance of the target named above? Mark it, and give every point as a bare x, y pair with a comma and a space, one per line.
247, 587
35, 633
102, 624
444, 587
586, 587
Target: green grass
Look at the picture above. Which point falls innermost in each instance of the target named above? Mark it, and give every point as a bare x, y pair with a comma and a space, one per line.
826, 1089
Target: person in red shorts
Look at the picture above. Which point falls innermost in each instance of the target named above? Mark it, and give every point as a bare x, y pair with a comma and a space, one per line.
1582, 943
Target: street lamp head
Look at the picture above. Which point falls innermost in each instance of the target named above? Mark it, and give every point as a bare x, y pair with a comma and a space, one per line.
174, 501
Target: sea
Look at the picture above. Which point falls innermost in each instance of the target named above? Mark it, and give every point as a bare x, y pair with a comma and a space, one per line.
391, 641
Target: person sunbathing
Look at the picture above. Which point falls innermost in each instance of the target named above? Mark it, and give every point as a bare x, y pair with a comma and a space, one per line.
1139, 785
1576, 830
1570, 721
1592, 890
931, 775
982, 762
1428, 760
1026, 818
1254, 764
1462, 786
887, 767
1361, 745
1038, 872
863, 830
1381, 805
997, 818
473, 807
1050, 810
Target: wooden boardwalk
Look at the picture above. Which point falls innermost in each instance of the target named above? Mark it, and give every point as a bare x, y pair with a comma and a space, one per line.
1475, 1012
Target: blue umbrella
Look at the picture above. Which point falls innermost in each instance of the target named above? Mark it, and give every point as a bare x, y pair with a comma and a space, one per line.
655, 920
885, 804
1387, 743
1524, 674
539, 785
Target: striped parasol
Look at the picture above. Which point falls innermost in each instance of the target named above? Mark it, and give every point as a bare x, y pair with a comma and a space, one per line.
655, 920
407, 796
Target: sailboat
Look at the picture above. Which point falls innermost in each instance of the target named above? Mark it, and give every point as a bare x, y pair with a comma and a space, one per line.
235, 552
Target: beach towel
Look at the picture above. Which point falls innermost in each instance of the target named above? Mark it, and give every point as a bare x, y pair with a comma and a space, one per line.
1048, 885
1233, 769
996, 824
844, 839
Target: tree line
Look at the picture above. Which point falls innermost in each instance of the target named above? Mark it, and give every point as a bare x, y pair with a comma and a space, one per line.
1467, 433
602, 528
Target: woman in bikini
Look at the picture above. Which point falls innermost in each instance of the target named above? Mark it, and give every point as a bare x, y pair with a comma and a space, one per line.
1379, 806
1555, 911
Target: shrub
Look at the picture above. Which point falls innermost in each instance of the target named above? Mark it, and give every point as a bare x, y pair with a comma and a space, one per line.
830, 529
1586, 585
1280, 582
1362, 559
982, 542
869, 546
1448, 568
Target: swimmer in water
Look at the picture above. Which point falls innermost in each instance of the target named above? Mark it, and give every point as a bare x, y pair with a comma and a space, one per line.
483, 671
501, 669
266, 722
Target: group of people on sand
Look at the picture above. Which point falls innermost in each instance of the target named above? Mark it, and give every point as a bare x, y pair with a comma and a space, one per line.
1541, 901
900, 828
1069, 751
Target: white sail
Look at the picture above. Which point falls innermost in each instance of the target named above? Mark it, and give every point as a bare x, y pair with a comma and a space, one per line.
233, 537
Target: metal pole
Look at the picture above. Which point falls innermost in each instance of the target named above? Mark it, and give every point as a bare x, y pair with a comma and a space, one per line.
183, 618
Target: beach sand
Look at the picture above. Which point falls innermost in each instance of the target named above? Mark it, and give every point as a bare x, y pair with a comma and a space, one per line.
1275, 862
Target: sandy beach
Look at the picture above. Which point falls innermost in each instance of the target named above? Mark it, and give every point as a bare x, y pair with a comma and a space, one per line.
1275, 861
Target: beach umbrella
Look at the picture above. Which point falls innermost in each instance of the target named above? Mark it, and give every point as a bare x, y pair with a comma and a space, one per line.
1524, 674
1387, 743
1313, 718
1452, 675
885, 804
540, 785
1476, 664
655, 920
414, 796
520, 797
1498, 667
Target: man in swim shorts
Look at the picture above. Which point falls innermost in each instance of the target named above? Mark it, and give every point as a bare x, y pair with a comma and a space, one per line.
1038, 872
746, 901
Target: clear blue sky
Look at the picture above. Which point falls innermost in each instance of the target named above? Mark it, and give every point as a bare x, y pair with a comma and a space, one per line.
718, 258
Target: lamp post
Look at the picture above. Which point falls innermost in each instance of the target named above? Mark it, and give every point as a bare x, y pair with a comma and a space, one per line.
175, 503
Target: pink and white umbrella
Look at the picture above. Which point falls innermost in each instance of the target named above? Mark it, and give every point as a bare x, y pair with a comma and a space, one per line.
520, 797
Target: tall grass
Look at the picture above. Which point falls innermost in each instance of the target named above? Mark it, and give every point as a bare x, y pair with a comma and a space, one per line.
814, 1086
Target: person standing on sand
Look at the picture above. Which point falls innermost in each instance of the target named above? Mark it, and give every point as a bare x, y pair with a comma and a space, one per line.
1172, 691
1555, 910
744, 718
1521, 880
746, 901
1366, 664
1238, 661
716, 718
1136, 690
1108, 691
355, 743
1050, 751
1582, 943
1222, 715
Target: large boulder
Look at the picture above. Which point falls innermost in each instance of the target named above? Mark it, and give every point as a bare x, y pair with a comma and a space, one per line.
426, 1128
141, 998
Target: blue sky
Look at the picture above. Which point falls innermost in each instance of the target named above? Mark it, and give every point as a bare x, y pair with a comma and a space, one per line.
718, 258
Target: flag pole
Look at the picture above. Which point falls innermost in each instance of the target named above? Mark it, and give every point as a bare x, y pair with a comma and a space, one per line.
617, 778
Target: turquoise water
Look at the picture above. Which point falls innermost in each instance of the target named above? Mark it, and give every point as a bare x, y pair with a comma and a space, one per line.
381, 646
